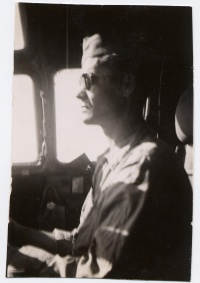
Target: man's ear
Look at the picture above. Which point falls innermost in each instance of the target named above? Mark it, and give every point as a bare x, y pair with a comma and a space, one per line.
128, 84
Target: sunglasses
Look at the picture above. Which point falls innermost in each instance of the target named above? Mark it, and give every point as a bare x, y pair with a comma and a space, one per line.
87, 80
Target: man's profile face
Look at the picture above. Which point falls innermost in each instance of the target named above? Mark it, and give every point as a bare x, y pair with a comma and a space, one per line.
98, 104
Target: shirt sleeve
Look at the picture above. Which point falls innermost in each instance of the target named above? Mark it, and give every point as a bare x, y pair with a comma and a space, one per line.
86, 208
105, 232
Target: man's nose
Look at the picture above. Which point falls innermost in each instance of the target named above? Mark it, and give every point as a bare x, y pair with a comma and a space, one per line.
82, 94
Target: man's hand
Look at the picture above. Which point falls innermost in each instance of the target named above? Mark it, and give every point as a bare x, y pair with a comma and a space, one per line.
61, 234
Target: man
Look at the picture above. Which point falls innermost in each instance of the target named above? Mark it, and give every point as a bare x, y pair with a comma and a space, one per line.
136, 220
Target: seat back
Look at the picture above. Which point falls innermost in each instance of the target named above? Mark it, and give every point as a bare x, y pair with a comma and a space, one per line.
184, 130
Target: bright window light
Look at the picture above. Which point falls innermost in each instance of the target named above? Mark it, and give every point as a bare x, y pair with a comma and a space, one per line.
19, 38
24, 138
73, 137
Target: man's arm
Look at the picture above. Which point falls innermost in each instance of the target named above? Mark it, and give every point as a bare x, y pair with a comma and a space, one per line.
57, 242
114, 217
19, 235
144, 204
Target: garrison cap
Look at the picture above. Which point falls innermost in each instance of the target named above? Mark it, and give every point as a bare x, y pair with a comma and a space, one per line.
107, 48
96, 46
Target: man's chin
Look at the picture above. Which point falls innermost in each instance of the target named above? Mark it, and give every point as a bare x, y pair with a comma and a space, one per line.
89, 121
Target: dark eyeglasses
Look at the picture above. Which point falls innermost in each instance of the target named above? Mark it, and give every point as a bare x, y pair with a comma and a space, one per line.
87, 80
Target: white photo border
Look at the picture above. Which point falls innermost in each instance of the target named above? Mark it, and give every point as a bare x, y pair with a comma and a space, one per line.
6, 70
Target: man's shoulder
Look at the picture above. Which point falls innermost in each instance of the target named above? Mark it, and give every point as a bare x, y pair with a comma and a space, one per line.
151, 149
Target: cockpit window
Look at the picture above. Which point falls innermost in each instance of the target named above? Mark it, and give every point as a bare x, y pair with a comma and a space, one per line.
24, 135
74, 138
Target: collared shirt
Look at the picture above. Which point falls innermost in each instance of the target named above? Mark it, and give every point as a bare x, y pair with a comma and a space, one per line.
136, 221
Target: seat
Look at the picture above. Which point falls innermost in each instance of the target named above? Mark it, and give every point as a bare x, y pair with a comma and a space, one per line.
184, 130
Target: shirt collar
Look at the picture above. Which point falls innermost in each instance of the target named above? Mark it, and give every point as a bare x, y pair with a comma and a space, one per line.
116, 153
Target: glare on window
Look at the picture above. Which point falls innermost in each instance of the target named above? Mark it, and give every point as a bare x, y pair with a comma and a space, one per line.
73, 137
24, 137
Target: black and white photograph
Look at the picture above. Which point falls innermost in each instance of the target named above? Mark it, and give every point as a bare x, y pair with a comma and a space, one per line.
102, 142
